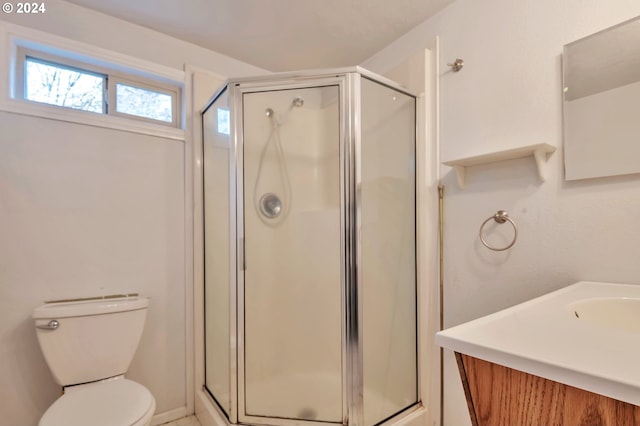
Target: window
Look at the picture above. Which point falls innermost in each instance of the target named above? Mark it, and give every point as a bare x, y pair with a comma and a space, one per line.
64, 86
68, 83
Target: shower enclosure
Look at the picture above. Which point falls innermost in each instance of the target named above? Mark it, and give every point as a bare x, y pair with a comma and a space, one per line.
309, 185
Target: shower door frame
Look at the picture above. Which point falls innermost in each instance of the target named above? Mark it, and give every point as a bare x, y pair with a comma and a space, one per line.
348, 82
238, 90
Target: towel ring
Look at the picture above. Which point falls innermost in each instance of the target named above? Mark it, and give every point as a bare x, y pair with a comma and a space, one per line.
501, 216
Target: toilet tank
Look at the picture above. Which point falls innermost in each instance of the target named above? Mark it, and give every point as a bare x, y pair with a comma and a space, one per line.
94, 340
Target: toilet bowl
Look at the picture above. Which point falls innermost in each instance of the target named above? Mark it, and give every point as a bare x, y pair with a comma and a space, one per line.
88, 345
116, 402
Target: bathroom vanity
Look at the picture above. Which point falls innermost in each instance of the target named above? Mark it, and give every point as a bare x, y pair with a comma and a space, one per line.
566, 358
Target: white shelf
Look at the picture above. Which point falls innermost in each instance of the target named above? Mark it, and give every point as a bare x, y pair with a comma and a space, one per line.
538, 152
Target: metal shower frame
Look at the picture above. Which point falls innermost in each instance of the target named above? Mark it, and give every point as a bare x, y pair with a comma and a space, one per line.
348, 81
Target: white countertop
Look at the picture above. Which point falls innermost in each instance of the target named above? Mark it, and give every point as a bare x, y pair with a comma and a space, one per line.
544, 337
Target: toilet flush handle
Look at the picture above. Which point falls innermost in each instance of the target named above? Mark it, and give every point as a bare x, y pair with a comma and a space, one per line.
51, 325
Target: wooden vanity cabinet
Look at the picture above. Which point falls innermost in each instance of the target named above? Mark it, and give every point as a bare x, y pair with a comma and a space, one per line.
501, 396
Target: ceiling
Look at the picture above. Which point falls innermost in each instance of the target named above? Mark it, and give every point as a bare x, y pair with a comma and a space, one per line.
279, 35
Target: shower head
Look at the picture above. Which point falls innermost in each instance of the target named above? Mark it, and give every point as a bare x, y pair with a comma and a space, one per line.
297, 102
268, 112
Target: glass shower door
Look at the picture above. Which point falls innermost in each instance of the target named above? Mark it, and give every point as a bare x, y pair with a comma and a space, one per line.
291, 320
387, 264
219, 266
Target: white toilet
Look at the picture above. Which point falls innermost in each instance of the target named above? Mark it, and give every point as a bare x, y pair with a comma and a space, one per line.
88, 346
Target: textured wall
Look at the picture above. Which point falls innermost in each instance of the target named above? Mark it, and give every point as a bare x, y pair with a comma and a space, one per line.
509, 95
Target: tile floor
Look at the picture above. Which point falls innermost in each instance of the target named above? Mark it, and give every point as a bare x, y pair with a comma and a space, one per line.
185, 421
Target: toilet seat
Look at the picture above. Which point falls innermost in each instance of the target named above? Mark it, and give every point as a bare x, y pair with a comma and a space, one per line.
118, 402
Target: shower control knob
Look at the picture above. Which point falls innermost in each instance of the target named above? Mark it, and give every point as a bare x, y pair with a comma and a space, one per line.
270, 205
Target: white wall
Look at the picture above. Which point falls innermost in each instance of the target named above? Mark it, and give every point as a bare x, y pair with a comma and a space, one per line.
85, 212
509, 95
88, 211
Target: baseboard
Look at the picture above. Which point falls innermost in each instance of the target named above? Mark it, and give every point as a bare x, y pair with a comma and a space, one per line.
168, 416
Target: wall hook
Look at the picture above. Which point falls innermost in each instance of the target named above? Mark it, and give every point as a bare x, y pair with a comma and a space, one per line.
456, 65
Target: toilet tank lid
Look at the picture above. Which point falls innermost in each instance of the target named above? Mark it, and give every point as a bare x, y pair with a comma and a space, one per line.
93, 306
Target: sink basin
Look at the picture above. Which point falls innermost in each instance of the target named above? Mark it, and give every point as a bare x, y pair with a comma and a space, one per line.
620, 313
586, 335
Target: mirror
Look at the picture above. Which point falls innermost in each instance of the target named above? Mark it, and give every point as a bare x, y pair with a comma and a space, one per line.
601, 83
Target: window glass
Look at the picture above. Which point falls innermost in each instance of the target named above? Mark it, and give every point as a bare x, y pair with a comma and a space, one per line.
55, 84
223, 121
144, 103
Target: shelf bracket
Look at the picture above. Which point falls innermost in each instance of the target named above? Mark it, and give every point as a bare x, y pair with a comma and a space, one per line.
540, 156
459, 175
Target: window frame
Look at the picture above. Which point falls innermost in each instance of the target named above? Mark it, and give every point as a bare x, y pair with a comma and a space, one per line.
111, 78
